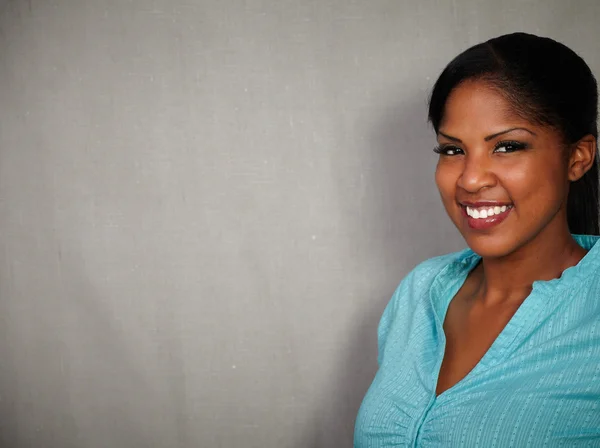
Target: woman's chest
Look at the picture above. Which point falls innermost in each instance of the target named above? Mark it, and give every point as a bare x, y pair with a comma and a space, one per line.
470, 330
527, 403
537, 384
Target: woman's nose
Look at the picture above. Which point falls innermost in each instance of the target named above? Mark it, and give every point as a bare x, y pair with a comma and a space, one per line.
476, 174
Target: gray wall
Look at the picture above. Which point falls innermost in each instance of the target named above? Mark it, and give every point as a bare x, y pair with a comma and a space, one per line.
205, 205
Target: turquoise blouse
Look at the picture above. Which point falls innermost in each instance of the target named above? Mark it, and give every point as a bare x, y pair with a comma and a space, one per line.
538, 385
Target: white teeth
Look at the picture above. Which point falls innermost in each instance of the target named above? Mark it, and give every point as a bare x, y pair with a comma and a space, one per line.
486, 212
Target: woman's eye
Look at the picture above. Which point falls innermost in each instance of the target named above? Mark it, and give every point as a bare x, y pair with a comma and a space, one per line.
506, 147
448, 150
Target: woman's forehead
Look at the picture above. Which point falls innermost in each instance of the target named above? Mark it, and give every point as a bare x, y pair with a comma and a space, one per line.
476, 106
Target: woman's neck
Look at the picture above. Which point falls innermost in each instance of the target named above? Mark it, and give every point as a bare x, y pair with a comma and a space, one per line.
543, 258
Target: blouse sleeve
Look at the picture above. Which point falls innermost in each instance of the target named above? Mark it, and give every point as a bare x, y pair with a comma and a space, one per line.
398, 301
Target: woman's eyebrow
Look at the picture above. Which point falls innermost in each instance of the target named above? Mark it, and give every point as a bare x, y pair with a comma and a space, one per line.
449, 137
489, 137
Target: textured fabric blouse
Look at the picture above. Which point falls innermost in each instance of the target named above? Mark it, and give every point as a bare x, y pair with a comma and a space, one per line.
538, 385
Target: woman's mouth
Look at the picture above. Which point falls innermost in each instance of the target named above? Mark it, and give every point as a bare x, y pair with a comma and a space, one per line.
485, 216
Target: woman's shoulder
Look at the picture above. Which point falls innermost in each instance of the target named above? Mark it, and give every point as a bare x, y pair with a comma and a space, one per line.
413, 294
440, 269
431, 268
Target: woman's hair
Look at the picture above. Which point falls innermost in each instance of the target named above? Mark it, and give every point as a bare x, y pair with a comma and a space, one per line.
547, 84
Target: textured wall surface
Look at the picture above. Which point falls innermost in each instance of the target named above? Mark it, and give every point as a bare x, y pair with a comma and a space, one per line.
205, 205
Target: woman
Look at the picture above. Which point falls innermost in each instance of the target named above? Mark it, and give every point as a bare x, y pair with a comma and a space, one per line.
499, 345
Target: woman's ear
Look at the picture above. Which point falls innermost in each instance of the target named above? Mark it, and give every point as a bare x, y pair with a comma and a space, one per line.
582, 157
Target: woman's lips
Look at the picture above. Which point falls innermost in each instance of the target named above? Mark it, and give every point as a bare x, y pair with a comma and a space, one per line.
483, 221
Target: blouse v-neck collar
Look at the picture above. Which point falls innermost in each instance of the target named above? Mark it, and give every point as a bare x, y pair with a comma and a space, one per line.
542, 301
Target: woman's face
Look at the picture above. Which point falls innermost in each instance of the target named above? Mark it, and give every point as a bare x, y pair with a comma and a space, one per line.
502, 179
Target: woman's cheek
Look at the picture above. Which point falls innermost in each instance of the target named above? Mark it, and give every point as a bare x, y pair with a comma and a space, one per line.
446, 176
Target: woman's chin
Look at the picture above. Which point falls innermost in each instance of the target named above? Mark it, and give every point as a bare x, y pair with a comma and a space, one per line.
490, 246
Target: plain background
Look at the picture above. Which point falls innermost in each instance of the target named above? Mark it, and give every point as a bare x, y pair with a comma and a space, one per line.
205, 206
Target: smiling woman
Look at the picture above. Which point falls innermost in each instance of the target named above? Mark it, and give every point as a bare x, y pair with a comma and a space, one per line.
498, 345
